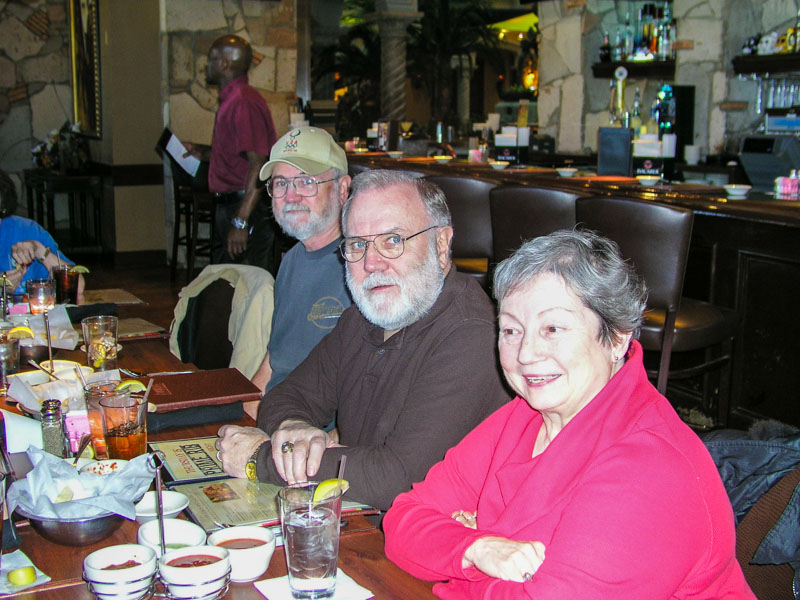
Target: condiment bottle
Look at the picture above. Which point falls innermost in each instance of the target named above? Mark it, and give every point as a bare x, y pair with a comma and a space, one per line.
52, 428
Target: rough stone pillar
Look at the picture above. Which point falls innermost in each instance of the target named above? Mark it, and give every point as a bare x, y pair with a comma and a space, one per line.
393, 18
464, 64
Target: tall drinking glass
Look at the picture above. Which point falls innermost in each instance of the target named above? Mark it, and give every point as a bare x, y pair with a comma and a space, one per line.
41, 295
310, 540
100, 338
9, 359
93, 393
124, 425
66, 284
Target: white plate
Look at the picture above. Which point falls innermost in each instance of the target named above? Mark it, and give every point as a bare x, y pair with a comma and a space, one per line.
83, 347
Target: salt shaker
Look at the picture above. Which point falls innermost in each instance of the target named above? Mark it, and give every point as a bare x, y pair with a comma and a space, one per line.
52, 428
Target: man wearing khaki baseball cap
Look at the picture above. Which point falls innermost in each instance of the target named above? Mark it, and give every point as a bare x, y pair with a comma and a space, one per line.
306, 177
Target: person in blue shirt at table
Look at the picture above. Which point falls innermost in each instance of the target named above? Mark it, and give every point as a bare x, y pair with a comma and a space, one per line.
27, 250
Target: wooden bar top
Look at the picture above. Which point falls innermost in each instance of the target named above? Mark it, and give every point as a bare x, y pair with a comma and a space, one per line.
705, 199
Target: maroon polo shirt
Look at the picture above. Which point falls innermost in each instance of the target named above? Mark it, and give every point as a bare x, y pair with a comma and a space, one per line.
243, 124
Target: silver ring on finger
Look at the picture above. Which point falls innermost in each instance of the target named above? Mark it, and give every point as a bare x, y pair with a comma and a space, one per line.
219, 458
527, 577
287, 447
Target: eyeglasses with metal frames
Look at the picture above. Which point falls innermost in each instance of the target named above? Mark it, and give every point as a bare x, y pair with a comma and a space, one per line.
304, 185
388, 245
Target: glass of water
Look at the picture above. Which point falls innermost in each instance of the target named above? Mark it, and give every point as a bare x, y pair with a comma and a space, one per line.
41, 295
310, 539
9, 359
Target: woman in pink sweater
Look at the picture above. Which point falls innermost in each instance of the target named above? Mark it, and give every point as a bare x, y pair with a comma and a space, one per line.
587, 485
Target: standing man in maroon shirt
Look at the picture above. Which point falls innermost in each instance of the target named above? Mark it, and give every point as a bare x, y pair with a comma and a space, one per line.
243, 136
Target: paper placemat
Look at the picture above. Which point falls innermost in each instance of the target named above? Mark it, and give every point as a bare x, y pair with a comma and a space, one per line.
346, 588
17, 560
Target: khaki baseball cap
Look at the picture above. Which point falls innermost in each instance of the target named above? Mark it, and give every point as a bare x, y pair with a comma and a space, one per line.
310, 149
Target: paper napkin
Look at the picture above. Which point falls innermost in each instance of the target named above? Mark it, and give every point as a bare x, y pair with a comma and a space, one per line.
346, 588
17, 560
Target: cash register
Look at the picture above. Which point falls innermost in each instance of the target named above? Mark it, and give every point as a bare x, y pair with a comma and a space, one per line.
775, 153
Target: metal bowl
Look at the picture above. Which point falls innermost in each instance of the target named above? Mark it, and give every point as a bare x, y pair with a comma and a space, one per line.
75, 532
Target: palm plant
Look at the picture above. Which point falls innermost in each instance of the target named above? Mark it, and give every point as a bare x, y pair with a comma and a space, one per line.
448, 28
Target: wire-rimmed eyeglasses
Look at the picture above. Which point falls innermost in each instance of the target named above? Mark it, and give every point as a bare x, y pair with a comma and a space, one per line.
388, 245
304, 185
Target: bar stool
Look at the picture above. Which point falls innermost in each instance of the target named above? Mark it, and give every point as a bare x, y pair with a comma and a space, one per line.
655, 238
192, 207
468, 201
520, 213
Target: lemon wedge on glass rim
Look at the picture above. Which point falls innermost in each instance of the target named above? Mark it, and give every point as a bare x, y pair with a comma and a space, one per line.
78, 269
329, 488
20, 332
131, 385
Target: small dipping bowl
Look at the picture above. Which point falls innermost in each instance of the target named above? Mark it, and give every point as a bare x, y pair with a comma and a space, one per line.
173, 503
250, 548
395, 153
567, 171
736, 190
105, 467
498, 165
648, 180
178, 533
197, 581
127, 583
442, 158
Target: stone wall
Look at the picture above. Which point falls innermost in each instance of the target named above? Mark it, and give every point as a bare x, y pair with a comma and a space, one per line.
35, 78
573, 104
192, 26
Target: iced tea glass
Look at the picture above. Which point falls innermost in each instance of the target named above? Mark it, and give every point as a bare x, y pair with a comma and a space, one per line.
41, 295
100, 339
93, 393
124, 425
310, 540
66, 284
9, 359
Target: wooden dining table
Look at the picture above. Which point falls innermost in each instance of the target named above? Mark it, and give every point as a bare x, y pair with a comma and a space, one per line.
361, 551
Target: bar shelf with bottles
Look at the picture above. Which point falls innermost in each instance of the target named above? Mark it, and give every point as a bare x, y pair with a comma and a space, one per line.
768, 63
641, 42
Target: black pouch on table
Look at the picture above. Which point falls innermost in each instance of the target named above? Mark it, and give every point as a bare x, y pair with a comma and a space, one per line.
216, 413
76, 313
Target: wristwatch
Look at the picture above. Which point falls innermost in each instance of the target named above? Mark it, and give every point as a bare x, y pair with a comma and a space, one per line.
250, 467
239, 223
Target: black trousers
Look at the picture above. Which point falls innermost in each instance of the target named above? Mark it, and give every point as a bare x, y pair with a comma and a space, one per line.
261, 249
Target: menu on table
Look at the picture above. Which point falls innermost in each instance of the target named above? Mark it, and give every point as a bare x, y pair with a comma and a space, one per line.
190, 460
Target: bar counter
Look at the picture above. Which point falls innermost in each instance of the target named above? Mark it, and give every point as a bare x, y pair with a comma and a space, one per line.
745, 254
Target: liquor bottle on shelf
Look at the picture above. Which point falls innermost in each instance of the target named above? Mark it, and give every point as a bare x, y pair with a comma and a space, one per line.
636, 115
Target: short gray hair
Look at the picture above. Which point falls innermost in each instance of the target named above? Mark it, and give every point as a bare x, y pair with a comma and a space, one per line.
432, 196
592, 268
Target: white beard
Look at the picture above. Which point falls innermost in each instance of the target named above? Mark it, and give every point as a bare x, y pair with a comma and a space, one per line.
418, 293
315, 225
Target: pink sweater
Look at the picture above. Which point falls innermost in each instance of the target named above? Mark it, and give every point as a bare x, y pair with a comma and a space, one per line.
626, 500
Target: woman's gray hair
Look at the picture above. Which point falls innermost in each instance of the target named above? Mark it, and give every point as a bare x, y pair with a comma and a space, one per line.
592, 268
432, 196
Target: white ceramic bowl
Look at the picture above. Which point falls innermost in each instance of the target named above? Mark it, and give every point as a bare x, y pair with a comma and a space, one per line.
498, 165
104, 467
194, 582
649, 180
61, 365
567, 171
442, 158
174, 503
737, 190
129, 583
395, 153
249, 563
178, 533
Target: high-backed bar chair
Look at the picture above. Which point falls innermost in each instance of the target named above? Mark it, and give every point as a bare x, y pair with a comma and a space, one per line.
520, 213
468, 200
655, 238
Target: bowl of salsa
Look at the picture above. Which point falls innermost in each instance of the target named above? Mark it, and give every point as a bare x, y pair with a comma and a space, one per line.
195, 571
250, 548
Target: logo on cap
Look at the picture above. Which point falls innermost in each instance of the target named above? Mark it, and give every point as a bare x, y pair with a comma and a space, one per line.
290, 145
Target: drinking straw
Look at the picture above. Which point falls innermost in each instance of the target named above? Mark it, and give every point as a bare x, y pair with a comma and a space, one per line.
49, 343
80, 375
147, 391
